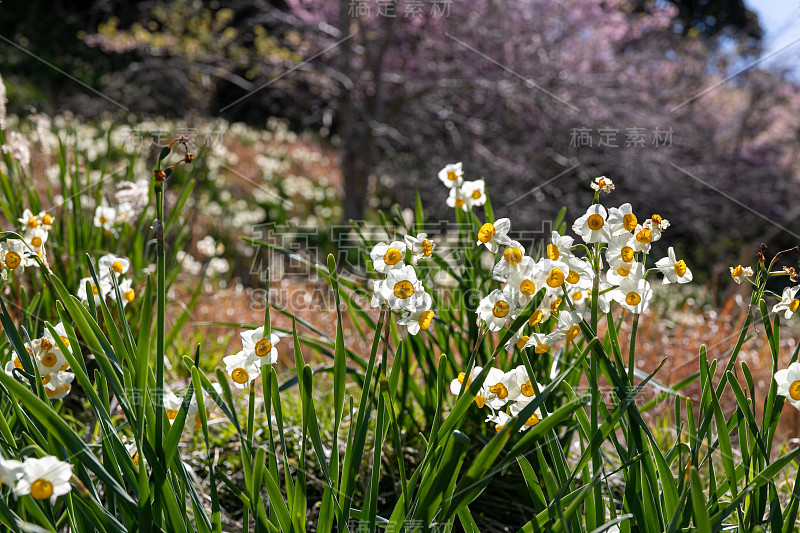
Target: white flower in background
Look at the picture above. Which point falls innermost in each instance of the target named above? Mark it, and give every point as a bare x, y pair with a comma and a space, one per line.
49, 358
105, 217
126, 214
401, 288
788, 302
739, 273
643, 238
44, 478
386, 257
475, 191
60, 330
35, 239
498, 387
452, 175
580, 270
500, 420
621, 220
527, 388
656, 225
674, 270
29, 221
633, 294
264, 348
421, 317
377, 293
207, 246
592, 225
10, 471
133, 193
544, 311
193, 412
14, 255
189, 263
421, 246
494, 234
579, 295
514, 260
172, 404
554, 272
788, 381
218, 265
615, 276
242, 368
495, 309
604, 298
456, 384
560, 247
119, 265
569, 325
602, 184
522, 284
99, 293
127, 292
535, 417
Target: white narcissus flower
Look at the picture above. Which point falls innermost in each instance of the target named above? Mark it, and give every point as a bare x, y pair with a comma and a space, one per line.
15, 256
127, 292
58, 384
49, 358
788, 381
452, 175
621, 219
522, 284
29, 221
119, 265
207, 246
495, 234
99, 293
105, 217
44, 478
527, 388
498, 387
674, 270
602, 184
242, 368
377, 293
10, 471
421, 317
533, 419
739, 273
35, 239
604, 297
514, 260
386, 257
788, 302
633, 294
495, 309
500, 420
475, 191
615, 276
554, 273
401, 289
569, 324
620, 251
456, 384
592, 225
421, 246
580, 270
642, 239
656, 225
560, 247
264, 348
542, 342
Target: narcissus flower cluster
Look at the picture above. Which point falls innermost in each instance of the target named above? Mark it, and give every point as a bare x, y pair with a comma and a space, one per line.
464, 195
50, 363
258, 349
110, 268
43, 478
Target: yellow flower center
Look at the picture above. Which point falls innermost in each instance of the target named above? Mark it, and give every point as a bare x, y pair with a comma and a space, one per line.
573, 277
403, 289
476, 194
680, 268
46, 344
527, 287
17, 363
501, 309
41, 489
523, 341
738, 271
536, 317
263, 347
95, 290
644, 236
633, 298
555, 278
36, 242
425, 319
427, 248
45, 380
47, 220
512, 255
552, 252
626, 254
595, 222
577, 296
572, 333
459, 202
499, 390
527, 389
392, 256
794, 391
129, 295
33, 222
116, 266
486, 233
629, 222
102, 220
499, 428
13, 260
49, 360
240, 375
57, 391
656, 219
480, 400
65, 340
532, 421
623, 271
461, 377
793, 305
451, 175
135, 458
64, 367
554, 305
172, 414
541, 348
